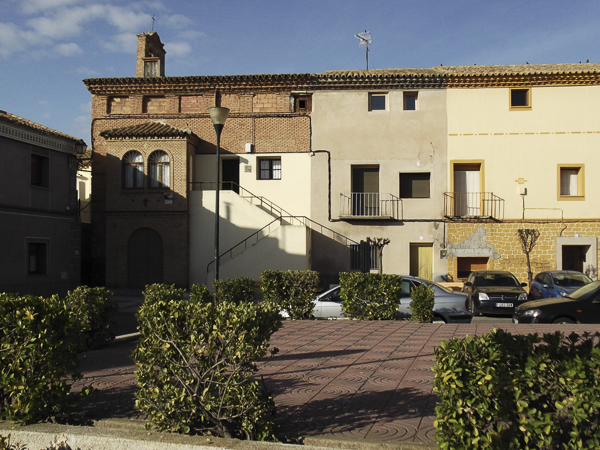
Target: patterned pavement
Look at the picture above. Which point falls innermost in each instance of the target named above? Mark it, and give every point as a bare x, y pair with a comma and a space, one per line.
352, 380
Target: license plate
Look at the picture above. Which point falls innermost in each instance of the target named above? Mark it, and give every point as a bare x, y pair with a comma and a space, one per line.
504, 305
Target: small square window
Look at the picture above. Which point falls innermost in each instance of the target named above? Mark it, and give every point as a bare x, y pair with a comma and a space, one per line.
410, 101
303, 104
520, 99
415, 185
377, 102
269, 169
571, 182
37, 256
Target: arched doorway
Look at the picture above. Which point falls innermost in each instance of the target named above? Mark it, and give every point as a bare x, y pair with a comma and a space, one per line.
144, 258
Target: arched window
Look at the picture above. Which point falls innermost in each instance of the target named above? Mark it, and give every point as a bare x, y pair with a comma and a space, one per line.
159, 168
133, 170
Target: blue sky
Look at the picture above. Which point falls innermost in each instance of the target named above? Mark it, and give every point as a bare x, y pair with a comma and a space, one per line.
48, 46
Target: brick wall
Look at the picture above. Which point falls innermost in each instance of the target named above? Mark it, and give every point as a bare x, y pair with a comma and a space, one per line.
192, 104
505, 241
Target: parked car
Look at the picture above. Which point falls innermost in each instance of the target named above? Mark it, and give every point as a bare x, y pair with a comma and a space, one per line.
494, 292
556, 283
449, 306
580, 306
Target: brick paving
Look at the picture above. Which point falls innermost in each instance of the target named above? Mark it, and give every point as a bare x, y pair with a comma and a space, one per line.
368, 381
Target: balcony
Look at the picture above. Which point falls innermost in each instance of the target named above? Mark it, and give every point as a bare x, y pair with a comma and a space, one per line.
473, 205
370, 205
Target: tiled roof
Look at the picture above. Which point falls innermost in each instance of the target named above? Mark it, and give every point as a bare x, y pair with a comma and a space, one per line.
11, 118
147, 130
519, 69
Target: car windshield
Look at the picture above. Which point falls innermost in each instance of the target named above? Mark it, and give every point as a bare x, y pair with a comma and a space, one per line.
586, 292
496, 280
571, 279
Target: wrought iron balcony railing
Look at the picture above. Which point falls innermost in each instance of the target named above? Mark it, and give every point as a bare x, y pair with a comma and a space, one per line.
370, 205
473, 205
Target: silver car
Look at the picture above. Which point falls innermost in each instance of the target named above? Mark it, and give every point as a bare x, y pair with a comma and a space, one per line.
449, 306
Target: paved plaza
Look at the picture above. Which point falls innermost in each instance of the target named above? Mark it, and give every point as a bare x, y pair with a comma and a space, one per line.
350, 380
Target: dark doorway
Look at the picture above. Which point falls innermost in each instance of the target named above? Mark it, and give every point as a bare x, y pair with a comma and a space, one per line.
365, 191
573, 257
144, 258
231, 174
466, 265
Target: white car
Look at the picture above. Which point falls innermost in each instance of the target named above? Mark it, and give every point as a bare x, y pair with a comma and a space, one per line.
449, 306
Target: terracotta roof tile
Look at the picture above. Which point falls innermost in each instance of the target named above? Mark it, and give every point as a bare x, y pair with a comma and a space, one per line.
11, 118
147, 130
520, 69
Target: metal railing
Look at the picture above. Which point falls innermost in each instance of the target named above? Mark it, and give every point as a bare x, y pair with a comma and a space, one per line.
262, 202
474, 205
363, 205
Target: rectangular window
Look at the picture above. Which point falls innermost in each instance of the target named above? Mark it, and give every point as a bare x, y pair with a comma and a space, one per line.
410, 101
37, 256
377, 102
520, 99
415, 185
40, 170
303, 104
571, 182
270, 169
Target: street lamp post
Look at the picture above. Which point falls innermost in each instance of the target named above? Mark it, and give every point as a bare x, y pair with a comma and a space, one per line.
218, 116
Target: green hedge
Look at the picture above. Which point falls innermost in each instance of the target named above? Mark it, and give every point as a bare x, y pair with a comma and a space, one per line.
39, 338
421, 304
291, 291
238, 290
196, 359
92, 309
521, 392
370, 296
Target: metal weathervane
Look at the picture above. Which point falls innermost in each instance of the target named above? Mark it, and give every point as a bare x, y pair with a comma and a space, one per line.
365, 39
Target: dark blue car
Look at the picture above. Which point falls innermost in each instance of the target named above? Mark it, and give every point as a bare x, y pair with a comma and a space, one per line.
556, 283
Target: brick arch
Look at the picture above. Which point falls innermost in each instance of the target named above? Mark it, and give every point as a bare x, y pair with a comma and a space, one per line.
144, 258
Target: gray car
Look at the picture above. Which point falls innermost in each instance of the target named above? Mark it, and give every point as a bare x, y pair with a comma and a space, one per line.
449, 307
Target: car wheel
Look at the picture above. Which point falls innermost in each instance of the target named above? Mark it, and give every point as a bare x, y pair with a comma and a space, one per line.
563, 320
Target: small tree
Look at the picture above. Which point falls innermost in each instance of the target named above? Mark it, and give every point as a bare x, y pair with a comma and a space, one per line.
379, 243
528, 238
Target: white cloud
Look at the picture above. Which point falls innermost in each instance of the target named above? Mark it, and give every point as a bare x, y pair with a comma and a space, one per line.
86, 71
125, 19
176, 21
123, 43
35, 6
65, 22
14, 39
178, 49
86, 108
191, 34
70, 49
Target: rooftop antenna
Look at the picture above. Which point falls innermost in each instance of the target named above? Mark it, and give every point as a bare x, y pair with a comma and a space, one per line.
365, 39
153, 19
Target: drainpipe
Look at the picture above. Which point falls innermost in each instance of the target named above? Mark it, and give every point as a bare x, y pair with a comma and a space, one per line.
328, 180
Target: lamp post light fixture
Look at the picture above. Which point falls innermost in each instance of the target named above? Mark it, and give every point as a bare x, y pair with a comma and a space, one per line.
218, 116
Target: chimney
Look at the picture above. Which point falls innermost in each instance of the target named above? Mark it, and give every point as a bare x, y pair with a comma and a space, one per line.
150, 55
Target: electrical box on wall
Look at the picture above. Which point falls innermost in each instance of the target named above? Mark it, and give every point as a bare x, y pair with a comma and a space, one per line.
248, 147
443, 254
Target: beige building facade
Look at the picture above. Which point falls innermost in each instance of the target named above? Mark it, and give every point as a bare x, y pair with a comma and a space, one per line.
522, 153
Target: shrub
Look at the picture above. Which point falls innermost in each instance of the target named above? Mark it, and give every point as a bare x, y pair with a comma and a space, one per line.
421, 304
196, 361
521, 392
92, 310
370, 296
37, 337
291, 291
238, 290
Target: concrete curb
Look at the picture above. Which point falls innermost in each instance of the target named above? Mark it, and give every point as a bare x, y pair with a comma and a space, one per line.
115, 434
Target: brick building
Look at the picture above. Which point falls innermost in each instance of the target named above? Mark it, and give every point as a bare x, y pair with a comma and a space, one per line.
434, 159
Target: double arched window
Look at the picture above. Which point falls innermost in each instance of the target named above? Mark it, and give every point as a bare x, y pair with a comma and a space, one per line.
133, 170
159, 170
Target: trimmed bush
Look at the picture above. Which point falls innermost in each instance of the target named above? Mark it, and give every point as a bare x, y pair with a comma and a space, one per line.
92, 310
37, 354
291, 291
421, 304
237, 290
196, 361
521, 392
370, 296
